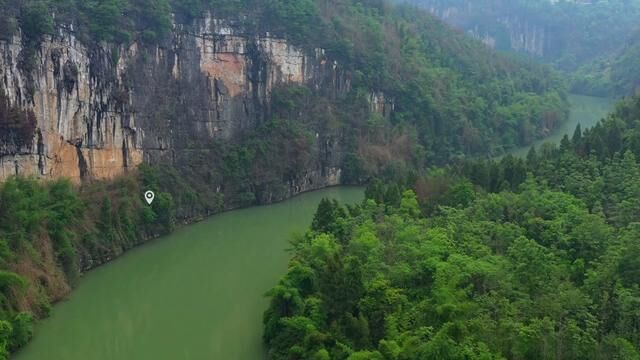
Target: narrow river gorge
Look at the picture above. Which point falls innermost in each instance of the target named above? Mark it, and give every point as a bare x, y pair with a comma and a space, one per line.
199, 293
195, 294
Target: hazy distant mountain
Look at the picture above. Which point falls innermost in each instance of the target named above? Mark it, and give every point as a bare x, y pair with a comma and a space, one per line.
617, 73
566, 33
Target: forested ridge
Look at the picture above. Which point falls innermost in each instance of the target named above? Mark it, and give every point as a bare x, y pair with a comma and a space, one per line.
589, 40
532, 258
614, 73
519, 259
450, 94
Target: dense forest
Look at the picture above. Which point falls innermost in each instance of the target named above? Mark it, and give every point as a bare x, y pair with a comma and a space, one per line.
473, 259
450, 94
51, 232
615, 73
578, 37
532, 258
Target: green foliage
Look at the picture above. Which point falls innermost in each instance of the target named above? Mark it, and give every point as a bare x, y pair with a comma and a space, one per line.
112, 21
29, 213
328, 214
52, 228
5, 338
590, 41
151, 18
519, 259
104, 20
9, 280
581, 30
611, 74
267, 157
297, 19
22, 325
163, 208
36, 20
450, 94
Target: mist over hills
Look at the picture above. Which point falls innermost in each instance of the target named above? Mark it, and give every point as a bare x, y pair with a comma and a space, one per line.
581, 38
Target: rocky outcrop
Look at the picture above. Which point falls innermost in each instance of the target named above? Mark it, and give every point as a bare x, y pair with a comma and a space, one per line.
102, 110
513, 34
525, 36
499, 29
379, 103
81, 129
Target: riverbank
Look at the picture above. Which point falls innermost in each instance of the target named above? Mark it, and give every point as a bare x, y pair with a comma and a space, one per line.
121, 201
585, 110
53, 231
194, 294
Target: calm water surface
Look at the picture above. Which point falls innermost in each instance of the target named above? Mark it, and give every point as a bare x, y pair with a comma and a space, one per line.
585, 110
196, 294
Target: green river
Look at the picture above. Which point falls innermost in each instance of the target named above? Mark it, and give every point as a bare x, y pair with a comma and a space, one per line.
199, 293
585, 110
195, 294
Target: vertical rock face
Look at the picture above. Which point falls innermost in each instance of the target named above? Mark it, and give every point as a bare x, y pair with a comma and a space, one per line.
101, 110
80, 128
525, 36
510, 31
378, 103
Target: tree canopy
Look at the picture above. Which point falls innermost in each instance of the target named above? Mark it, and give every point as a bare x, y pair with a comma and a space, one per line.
530, 258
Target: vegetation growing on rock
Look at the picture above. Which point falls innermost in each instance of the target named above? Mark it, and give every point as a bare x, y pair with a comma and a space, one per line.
450, 94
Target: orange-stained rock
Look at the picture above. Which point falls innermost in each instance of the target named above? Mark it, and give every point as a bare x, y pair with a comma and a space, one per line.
62, 159
100, 110
228, 68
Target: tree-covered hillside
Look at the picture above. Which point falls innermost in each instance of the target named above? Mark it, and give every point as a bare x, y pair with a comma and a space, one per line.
571, 35
449, 93
532, 258
51, 232
616, 73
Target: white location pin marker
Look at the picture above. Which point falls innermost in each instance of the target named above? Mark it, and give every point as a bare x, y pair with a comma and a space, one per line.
149, 196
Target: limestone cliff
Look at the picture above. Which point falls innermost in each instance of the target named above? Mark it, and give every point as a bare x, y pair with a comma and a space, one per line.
101, 110
507, 31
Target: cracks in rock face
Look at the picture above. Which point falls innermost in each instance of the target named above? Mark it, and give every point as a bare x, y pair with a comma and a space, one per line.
125, 155
70, 78
126, 106
56, 54
82, 163
41, 155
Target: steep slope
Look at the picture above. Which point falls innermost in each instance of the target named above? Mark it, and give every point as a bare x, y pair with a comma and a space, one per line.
219, 104
165, 88
568, 34
519, 259
616, 73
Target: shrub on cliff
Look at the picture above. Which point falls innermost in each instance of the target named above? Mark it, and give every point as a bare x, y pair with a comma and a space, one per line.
36, 20
17, 126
